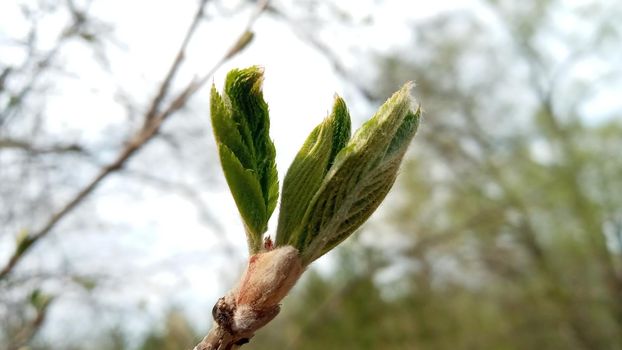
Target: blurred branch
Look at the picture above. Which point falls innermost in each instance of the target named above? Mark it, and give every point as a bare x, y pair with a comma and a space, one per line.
560, 135
41, 303
170, 75
155, 116
10, 143
5, 73
38, 64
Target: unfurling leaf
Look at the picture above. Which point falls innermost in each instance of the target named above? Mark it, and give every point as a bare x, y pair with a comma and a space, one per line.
307, 172
358, 180
241, 125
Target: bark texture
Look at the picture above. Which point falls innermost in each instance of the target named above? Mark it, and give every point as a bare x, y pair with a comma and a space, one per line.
268, 278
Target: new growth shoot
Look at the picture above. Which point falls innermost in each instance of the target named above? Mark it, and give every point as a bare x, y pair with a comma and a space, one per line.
332, 187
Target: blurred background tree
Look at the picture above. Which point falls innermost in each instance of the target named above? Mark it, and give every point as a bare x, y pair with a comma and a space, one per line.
508, 232
504, 230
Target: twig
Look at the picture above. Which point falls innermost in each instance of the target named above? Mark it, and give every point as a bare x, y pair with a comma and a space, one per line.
26, 334
39, 66
11, 143
164, 87
153, 122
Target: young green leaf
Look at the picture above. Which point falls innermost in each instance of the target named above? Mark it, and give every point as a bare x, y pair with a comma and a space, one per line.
361, 176
373, 192
241, 126
311, 164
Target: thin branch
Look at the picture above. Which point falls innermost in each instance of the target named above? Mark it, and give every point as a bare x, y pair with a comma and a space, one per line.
38, 66
3, 77
172, 72
26, 334
11, 143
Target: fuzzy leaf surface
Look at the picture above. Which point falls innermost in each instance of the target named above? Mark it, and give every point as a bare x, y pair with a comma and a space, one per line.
304, 177
360, 177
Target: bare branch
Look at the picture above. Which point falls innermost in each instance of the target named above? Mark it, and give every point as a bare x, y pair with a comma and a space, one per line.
39, 65
28, 332
10, 143
164, 87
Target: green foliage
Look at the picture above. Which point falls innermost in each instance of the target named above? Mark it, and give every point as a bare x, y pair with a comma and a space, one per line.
241, 125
